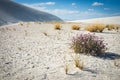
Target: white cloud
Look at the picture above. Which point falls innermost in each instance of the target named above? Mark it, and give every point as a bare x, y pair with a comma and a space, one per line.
90, 9
64, 11
73, 4
97, 4
42, 4
50, 3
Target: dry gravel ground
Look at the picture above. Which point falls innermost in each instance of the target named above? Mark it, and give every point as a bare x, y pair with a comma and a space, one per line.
38, 52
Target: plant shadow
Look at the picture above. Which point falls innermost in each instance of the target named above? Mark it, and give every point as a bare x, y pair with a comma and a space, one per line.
77, 74
90, 70
109, 56
107, 32
111, 32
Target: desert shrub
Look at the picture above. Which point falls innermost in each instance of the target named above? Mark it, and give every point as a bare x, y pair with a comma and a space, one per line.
66, 69
37, 22
75, 27
26, 33
21, 24
88, 44
116, 62
110, 27
113, 27
95, 28
7, 28
45, 33
90, 28
19, 48
117, 28
77, 61
57, 26
14, 29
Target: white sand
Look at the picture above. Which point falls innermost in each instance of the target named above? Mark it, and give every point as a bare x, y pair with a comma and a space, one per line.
106, 20
27, 54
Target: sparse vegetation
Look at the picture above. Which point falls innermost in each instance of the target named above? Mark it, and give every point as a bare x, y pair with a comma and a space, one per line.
14, 29
37, 22
66, 69
110, 27
117, 28
88, 44
27, 24
77, 61
95, 27
45, 33
116, 63
26, 33
57, 26
19, 48
21, 24
75, 27
7, 28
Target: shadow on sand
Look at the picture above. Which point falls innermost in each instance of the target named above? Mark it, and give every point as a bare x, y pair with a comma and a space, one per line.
77, 74
108, 32
111, 32
110, 56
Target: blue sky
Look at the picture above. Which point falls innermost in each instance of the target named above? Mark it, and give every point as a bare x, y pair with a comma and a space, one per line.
76, 9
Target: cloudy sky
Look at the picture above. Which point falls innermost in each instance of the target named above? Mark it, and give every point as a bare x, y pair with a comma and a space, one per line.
76, 9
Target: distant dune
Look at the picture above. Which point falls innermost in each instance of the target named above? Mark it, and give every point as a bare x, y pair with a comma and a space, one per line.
11, 12
106, 20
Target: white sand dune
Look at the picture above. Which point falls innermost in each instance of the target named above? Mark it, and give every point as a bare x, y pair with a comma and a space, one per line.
12, 12
26, 53
105, 20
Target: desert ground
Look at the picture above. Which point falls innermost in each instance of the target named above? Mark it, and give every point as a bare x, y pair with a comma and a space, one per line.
36, 51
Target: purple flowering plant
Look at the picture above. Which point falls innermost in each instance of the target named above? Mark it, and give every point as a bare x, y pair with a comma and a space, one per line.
88, 44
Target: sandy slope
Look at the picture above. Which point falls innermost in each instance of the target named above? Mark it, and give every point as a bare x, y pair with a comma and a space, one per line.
106, 20
27, 54
12, 12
